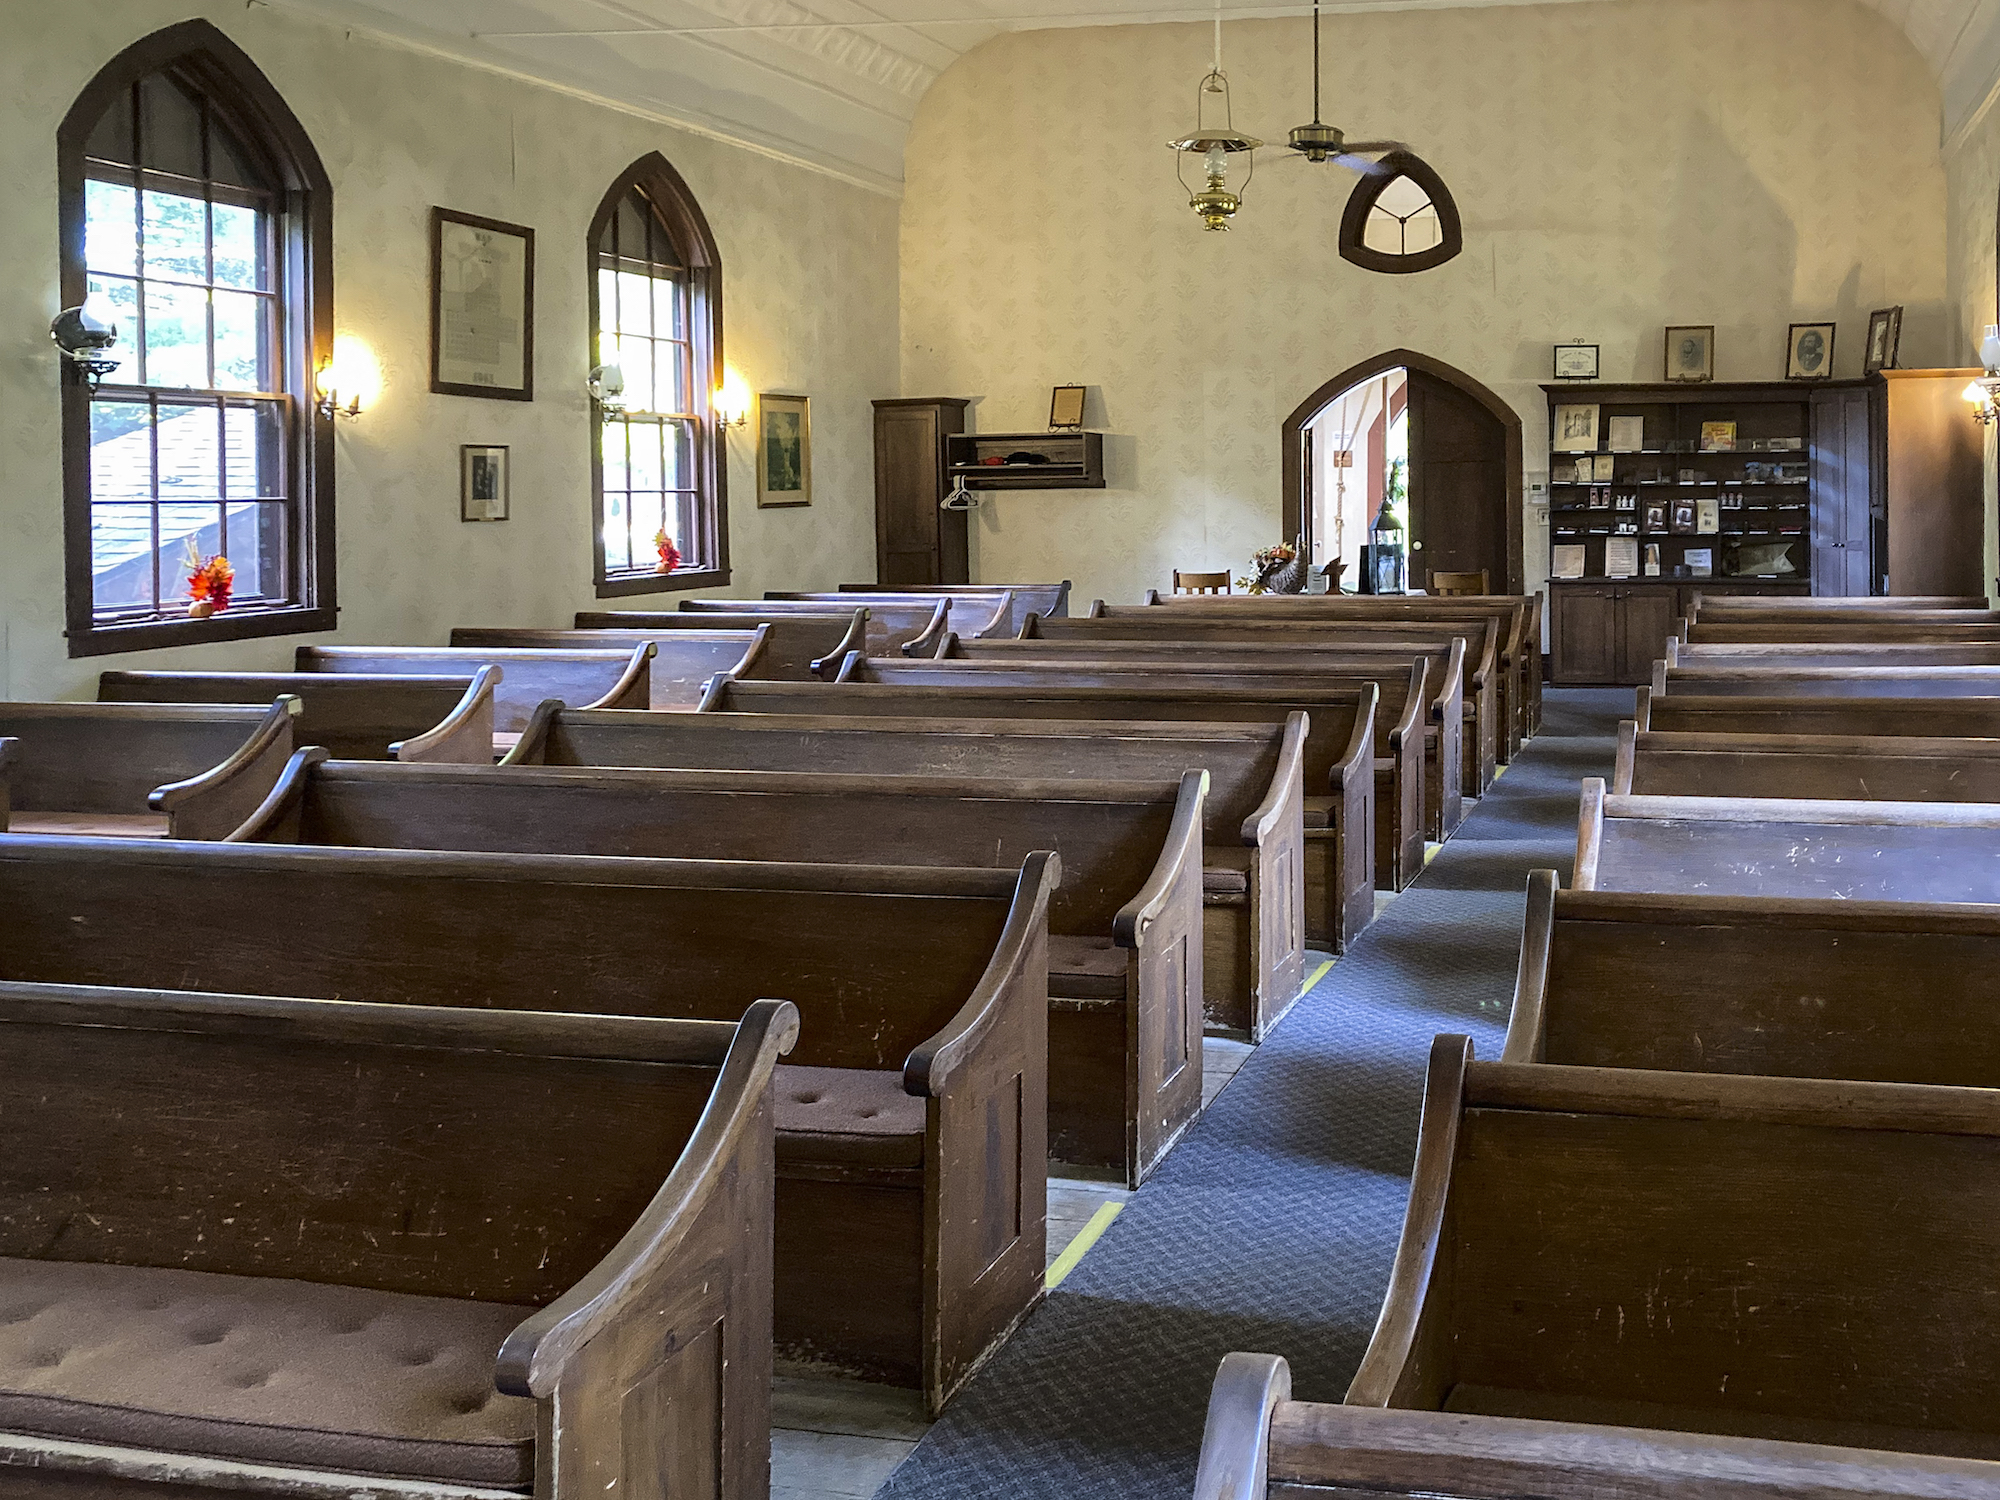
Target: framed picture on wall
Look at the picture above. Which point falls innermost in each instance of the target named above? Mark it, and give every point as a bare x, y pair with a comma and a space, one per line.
784, 451
1691, 354
1066, 409
1809, 352
482, 307
483, 484
1885, 332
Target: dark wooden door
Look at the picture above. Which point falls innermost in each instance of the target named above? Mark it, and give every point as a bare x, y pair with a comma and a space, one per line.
1646, 617
915, 542
1842, 482
1458, 484
1585, 626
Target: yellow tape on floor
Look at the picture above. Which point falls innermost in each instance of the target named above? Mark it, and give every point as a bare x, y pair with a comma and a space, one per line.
1080, 1246
1317, 975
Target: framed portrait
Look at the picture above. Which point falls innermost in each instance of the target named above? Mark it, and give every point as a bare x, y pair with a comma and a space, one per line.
483, 484
1691, 354
1575, 430
1809, 352
482, 307
1066, 409
1885, 332
1576, 362
784, 451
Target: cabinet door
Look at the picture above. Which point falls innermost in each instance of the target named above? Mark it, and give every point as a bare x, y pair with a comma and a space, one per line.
1841, 470
906, 498
1646, 618
1585, 629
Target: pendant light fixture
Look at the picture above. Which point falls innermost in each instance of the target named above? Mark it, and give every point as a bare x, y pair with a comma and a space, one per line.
1215, 144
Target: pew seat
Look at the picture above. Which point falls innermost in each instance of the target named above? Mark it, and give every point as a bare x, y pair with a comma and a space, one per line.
855, 1117
93, 825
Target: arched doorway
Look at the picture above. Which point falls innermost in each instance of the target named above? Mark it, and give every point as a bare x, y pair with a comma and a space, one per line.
1464, 474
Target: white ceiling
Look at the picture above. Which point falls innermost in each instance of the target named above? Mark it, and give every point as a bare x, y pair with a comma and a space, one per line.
834, 83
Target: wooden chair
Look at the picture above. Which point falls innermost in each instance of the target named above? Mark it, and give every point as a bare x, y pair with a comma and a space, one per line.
1459, 585
1200, 583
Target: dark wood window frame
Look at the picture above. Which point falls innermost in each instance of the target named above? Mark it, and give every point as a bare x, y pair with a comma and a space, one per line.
688, 228
1354, 222
199, 55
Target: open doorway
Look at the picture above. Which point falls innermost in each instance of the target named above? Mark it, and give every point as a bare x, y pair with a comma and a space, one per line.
1406, 422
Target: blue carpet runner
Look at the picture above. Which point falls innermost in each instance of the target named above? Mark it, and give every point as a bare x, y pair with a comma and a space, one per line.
1273, 1225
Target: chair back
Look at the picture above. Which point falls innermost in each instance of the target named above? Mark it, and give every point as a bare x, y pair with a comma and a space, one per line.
1200, 583
1459, 585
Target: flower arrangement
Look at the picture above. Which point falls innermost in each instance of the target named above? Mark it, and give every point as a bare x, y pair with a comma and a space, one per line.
1270, 568
670, 555
210, 580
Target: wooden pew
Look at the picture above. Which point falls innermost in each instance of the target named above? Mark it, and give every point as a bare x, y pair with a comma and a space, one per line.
1480, 678
140, 770
1045, 599
1851, 768
1965, 718
912, 1159
1400, 752
1733, 654
681, 663
1805, 606
1125, 956
1339, 760
1755, 985
796, 647
979, 611
1696, 1254
358, 716
1253, 836
432, 1277
1847, 851
1451, 756
907, 627
594, 679
1826, 682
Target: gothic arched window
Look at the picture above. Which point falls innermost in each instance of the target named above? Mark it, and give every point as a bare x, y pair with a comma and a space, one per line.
1402, 220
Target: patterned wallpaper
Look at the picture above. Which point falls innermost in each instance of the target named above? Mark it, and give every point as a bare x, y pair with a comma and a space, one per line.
810, 306
1619, 167
1972, 172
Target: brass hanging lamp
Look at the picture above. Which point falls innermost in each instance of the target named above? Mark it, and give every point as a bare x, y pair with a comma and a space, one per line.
1214, 202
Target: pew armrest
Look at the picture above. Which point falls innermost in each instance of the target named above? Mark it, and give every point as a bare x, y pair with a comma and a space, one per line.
926, 641
278, 817
9, 751
1236, 1440
1357, 761
929, 1071
855, 638
1178, 865
462, 737
216, 803
532, 748
1284, 802
634, 687
643, 1271
1416, 709
1527, 1024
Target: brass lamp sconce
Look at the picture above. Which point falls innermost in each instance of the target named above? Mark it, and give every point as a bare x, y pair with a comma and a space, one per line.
606, 385
82, 336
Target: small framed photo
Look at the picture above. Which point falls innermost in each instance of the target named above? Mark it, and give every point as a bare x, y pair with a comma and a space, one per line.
1066, 409
482, 307
784, 451
1575, 429
1691, 354
483, 484
1576, 362
1809, 352
1885, 332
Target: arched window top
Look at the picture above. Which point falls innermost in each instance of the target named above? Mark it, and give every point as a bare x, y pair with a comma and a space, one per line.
1402, 220
197, 216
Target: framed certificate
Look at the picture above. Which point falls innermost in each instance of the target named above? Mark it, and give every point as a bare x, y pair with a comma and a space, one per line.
482, 307
1576, 362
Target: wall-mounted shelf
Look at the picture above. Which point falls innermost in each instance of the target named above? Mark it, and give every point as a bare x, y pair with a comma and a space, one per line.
1027, 460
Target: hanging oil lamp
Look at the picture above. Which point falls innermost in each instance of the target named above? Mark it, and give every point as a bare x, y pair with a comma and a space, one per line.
1215, 144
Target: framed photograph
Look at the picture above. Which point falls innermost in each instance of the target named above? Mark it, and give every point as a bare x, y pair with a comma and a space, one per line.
1691, 354
1576, 362
1628, 434
784, 451
1682, 522
1603, 467
1575, 429
1809, 353
1066, 409
1718, 437
1885, 332
482, 307
482, 484
1656, 515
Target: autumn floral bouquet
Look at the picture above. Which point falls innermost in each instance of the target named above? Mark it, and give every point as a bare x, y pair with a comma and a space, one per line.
670, 555
210, 580
1275, 570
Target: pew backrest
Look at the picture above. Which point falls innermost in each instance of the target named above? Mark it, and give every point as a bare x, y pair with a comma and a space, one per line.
587, 678
1856, 768
356, 716
908, 627
682, 661
1029, 598
1968, 718
1935, 628
1737, 654
976, 611
1826, 682
797, 648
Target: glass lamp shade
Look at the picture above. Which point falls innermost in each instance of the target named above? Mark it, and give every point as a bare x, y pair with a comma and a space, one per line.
1989, 349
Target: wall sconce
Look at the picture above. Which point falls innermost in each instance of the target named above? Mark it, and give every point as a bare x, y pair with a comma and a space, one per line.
348, 382
82, 334
333, 400
1984, 393
732, 401
606, 385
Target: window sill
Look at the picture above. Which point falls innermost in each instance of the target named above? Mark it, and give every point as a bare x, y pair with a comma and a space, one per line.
625, 585
230, 625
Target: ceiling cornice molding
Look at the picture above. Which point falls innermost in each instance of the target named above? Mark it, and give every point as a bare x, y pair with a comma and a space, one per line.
864, 57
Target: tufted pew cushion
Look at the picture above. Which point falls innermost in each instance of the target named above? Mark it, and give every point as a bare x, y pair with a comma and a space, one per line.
261, 1370
854, 1116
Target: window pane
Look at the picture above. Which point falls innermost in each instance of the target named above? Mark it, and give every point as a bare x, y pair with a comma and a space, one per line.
646, 456
121, 451
670, 363
607, 308
1423, 232
255, 441
176, 336
169, 128
190, 448
1402, 197
110, 228
635, 358
1382, 232
668, 298
176, 237
185, 527
615, 476
648, 516
679, 473
254, 546
239, 247
121, 297
635, 303
617, 551
121, 556
239, 342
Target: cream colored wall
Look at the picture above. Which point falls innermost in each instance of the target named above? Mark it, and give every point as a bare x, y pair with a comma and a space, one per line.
810, 305
1972, 174
1619, 167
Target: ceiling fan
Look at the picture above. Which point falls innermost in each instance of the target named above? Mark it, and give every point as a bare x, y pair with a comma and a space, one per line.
1320, 143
